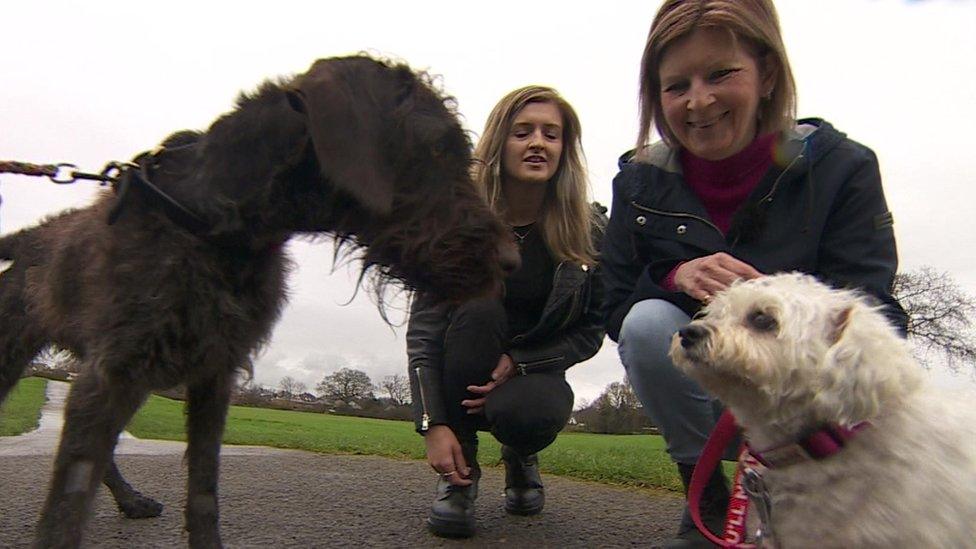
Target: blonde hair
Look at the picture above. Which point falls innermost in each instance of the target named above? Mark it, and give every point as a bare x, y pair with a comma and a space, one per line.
565, 217
754, 22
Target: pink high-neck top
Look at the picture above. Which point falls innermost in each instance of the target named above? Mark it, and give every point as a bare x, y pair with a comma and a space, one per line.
723, 185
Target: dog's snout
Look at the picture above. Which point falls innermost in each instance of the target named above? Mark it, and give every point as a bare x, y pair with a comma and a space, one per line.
508, 256
691, 335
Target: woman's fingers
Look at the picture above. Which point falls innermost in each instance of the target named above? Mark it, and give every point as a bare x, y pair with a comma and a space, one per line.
474, 405
703, 277
482, 389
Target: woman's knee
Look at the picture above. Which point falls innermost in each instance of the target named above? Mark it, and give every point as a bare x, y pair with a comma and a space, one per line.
651, 323
479, 310
529, 410
645, 336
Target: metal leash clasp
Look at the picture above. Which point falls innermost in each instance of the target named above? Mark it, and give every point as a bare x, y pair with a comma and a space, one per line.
108, 175
756, 489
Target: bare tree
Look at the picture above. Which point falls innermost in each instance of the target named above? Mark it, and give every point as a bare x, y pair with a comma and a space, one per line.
291, 386
346, 384
397, 387
939, 315
619, 395
616, 410
53, 357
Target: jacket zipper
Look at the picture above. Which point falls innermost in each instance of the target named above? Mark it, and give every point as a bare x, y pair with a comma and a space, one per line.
772, 190
523, 367
425, 417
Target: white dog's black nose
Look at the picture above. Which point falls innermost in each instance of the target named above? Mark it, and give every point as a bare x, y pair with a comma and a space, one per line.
691, 335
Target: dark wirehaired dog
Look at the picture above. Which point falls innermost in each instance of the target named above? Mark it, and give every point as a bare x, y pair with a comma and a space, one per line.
188, 279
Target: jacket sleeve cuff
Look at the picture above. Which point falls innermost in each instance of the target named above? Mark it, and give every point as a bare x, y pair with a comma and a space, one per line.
428, 401
668, 281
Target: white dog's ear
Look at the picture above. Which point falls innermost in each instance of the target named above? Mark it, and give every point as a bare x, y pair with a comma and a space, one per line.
838, 323
854, 380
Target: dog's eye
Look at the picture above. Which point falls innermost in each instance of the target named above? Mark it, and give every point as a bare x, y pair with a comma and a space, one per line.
762, 321
702, 313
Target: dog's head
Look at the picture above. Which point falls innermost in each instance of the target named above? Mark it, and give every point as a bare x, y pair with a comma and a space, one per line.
386, 139
788, 348
366, 150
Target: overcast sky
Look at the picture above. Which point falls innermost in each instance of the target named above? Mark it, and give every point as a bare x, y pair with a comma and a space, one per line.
89, 82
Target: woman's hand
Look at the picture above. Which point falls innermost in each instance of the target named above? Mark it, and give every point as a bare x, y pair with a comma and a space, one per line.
504, 371
445, 456
703, 277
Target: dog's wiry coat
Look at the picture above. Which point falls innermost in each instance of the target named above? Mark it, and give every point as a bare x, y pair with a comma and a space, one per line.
789, 355
364, 150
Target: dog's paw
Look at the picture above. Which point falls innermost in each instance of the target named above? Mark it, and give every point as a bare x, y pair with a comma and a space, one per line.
141, 506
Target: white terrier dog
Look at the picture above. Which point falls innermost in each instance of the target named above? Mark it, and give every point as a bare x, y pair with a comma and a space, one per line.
796, 361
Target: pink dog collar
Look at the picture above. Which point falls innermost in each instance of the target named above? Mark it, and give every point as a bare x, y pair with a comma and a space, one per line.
820, 444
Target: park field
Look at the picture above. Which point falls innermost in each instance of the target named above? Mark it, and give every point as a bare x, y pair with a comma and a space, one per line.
627, 460
20, 412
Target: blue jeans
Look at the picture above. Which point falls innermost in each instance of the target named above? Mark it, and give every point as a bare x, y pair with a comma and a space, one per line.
683, 411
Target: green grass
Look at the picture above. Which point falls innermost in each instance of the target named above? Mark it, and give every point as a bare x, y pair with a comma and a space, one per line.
22, 409
628, 460
635, 460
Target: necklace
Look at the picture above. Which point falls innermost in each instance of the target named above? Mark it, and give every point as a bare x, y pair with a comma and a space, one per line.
520, 237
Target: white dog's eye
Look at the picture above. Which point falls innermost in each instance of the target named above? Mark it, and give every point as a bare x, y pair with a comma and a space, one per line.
762, 321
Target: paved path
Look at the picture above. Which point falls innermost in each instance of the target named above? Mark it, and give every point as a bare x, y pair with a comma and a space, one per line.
287, 498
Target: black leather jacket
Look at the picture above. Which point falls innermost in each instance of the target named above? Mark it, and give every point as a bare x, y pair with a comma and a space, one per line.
569, 331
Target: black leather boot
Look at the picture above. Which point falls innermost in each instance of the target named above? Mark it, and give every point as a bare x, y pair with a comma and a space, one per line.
452, 513
714, 502
524, 493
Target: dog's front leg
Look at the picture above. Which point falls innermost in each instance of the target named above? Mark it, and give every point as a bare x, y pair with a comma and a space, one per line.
96, 411
206, 412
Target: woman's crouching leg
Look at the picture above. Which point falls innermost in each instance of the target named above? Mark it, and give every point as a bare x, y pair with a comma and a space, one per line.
527, 412
681, 409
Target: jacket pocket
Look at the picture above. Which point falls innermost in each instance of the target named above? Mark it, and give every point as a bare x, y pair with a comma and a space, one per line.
677, 228
539, 366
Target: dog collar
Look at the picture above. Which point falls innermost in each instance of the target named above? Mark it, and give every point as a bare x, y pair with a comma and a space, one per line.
818, 445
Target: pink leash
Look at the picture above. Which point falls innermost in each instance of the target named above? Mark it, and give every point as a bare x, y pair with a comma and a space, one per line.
735, 519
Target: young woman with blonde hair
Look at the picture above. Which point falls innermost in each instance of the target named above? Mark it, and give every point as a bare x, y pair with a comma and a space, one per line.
736, 188
498, 363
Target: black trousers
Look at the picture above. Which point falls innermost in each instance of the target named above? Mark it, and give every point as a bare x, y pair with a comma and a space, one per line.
526, 412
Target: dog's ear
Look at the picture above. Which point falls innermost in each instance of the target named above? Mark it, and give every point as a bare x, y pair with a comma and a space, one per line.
863, 369
838, 323
296, 99
345, 124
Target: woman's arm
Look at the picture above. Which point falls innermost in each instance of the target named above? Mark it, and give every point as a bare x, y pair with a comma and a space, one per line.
857, 247
426, 328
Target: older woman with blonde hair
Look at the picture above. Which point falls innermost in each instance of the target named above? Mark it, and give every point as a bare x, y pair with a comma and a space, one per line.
736, 188
498, 363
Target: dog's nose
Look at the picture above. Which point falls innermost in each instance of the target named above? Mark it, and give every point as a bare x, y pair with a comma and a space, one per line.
691, 335
509, 256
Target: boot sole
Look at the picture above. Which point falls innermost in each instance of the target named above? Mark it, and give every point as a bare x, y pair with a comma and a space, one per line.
450, 529
523, 511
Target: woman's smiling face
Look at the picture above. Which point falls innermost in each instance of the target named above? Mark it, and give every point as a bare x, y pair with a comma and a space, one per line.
711, 86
